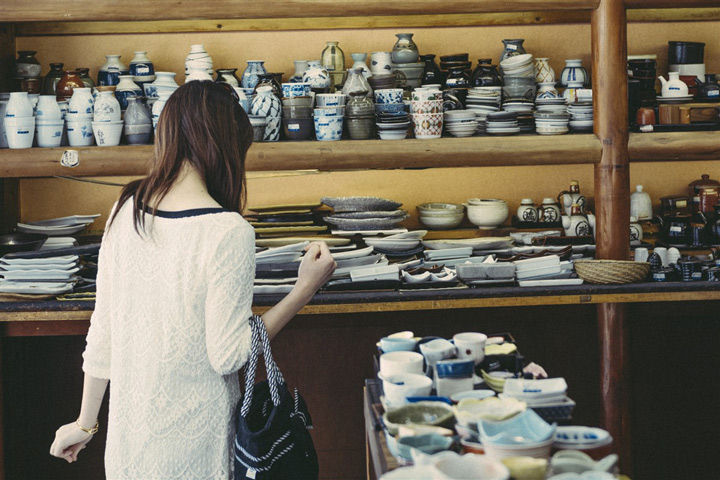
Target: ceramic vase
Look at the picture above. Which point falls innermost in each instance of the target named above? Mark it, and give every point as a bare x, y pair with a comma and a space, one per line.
252, 72
52, 78
269, 80
266, 104
198, 57
573, 72
512, 48
640, 204
109, 73
485, 74
457, 78
544, 73
84, 74
67, 83
142, 69
359, 60
107, 107
300, 67
197, 72
19, 106
547, 90
127, 88
81, 102
227, 75
333, 58
165, 81
158, 106
242, 99
26, 65
404, 50
356, 84
381, 63
431, 71
137, 122
48, 108
317, 77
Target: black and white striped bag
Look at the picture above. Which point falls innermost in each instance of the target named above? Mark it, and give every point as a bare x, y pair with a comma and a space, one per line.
272, 441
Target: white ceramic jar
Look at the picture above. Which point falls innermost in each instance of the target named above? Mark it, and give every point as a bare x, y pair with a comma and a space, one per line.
640, 204
107, 108
527, 212
48, 108
81, 102
19, 106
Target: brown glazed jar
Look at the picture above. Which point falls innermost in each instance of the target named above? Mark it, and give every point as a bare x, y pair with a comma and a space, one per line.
67, 83
705, 194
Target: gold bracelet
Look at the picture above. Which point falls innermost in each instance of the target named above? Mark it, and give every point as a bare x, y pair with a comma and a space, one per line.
91, 431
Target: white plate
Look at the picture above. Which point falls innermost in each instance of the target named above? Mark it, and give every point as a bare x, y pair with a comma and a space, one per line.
38, 266
418, 234
40, 261
359, 261
448, 253
271, 289
579, 435
346, 271
281, 257
522, 388
359, 252
680, 98
550, 283
62, 230
35, 274
384, 272
293, 247
66, 221
40, 288
399, 245
475, 243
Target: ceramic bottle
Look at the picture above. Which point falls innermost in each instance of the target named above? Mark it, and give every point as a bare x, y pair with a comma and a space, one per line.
127, 88
107, 107
576, 224
266, 104
26, 65
317, 77
640, 204
81, 102
197, 72
573, 72
431, 71
242, 99
544, 73
164, 81
158, 106
333, 58
710, 90
359, 61
512, 48
48, 108
546, 90
67, 83
227, 75
300, 67
636, 232
251, 74
527, 212
356, 84
52, 78
142, 69
405, 50
84, 74
485, 74
137, 122
457, 77
109, 73
269, 80
19, 106
572, 197
673, 87
549, 211
198, 57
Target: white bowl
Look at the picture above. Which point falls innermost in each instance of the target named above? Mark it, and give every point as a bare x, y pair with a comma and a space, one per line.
107, 134
20, 131
487, 217
392, 363
441, 222
399, 386
436, 350
49, 134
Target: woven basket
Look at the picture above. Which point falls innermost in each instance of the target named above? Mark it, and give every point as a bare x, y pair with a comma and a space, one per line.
611, 271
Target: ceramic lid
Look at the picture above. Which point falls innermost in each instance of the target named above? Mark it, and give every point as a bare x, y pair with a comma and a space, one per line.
704, 182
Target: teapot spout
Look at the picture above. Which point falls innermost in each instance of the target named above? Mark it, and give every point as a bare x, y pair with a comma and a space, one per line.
662, 80
565, 222
698, 82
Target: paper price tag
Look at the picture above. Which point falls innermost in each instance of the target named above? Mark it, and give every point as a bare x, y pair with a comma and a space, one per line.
250, 473
70, 158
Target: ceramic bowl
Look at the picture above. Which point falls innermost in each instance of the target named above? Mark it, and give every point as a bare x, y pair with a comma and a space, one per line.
107, 134
80, 133
389, 107
20, 131
436, 350
297, 111
454, 368
291, 90
392, 363
525, 428
258, 123
410, 447
298, 128
392, 134
49, 133
487, 217
389, 95
469, 411
441, 208
471, 465
395, 344
399, 386
422, 413
526, 468
360, 128
441, 222
328, 128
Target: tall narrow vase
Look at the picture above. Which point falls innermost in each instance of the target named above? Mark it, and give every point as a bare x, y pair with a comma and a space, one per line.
252, 73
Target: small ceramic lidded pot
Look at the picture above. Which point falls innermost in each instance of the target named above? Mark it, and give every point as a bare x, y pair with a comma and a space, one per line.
527, 212
549, 211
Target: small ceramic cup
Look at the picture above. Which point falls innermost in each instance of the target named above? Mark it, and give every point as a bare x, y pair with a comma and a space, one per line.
291, 90
470, 345
389, 95
663, 253
641, 254
381, 63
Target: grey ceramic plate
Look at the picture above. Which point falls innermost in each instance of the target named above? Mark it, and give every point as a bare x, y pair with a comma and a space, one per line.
364, 223
371, 214
360, 204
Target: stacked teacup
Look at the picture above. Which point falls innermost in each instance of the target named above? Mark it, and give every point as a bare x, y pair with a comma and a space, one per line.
427, 114
392, 120
49, 122
79, 118
297, 118
107, 120
19, 121
329, 115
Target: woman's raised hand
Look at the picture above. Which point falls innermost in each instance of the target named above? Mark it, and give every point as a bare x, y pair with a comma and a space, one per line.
316, 268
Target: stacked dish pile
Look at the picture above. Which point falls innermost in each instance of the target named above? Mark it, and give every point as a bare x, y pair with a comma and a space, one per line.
581, 116
397, 245
392, 119
51, 275
441, 216
524, 110
543, 268
461, 123
329, 116
278, 220
364, 214
276, 268
551, 123
480, 247
596, 443
548, 397
483, 100
487, 213
502, 123
297, 112
551, 105
525, 434
58, 226
382, 81
518, 66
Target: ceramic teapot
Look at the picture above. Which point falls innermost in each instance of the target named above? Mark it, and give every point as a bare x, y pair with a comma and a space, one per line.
573, 196
674, 87
576, 224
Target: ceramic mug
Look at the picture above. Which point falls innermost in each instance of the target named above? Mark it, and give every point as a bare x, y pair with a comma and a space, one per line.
381, 63
470, 345
641, 254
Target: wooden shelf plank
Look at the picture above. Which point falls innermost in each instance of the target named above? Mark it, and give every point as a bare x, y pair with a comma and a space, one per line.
134, 10
671, 4
342, 155
674, 146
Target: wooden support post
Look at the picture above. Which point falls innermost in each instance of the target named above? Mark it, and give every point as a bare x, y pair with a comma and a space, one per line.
612, 202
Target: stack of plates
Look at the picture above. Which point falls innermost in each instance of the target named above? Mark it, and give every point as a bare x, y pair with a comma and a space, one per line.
398, 245
550, 105
276, 268
363, 213
536, 392
50, 275
58, 226
273, 220
502, 123
518, 66
551, 123
581, 117
392, 125
461, 123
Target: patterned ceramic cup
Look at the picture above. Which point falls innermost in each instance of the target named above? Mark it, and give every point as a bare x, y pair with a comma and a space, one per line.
428, 125
389, 95
328, 128
427, 106
291, 90
330, 99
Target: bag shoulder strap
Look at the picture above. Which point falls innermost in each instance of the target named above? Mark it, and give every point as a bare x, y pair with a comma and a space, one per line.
260, 345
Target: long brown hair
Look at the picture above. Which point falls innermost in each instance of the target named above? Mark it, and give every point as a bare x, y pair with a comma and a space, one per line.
203, 124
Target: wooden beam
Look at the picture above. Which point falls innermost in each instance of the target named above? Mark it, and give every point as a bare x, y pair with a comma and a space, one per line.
135, 10
671, 3
674, 146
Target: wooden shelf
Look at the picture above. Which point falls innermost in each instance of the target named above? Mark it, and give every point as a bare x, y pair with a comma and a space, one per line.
674, 146
671, 4
134, 10
341, 155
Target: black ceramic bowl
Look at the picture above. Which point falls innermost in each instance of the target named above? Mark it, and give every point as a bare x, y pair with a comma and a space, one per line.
455, 57
686, 53
21, 242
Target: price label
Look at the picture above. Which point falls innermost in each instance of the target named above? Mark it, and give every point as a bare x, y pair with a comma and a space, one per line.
70, 158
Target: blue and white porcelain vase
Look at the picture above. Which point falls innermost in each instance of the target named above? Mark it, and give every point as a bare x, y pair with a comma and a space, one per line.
158, 106
107, 107
81, 102
127, 88
165, 81
252, 73
266, 104
242, 99
300, 67
109, 73
142, 69
573, 72
200, 58
317, 77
